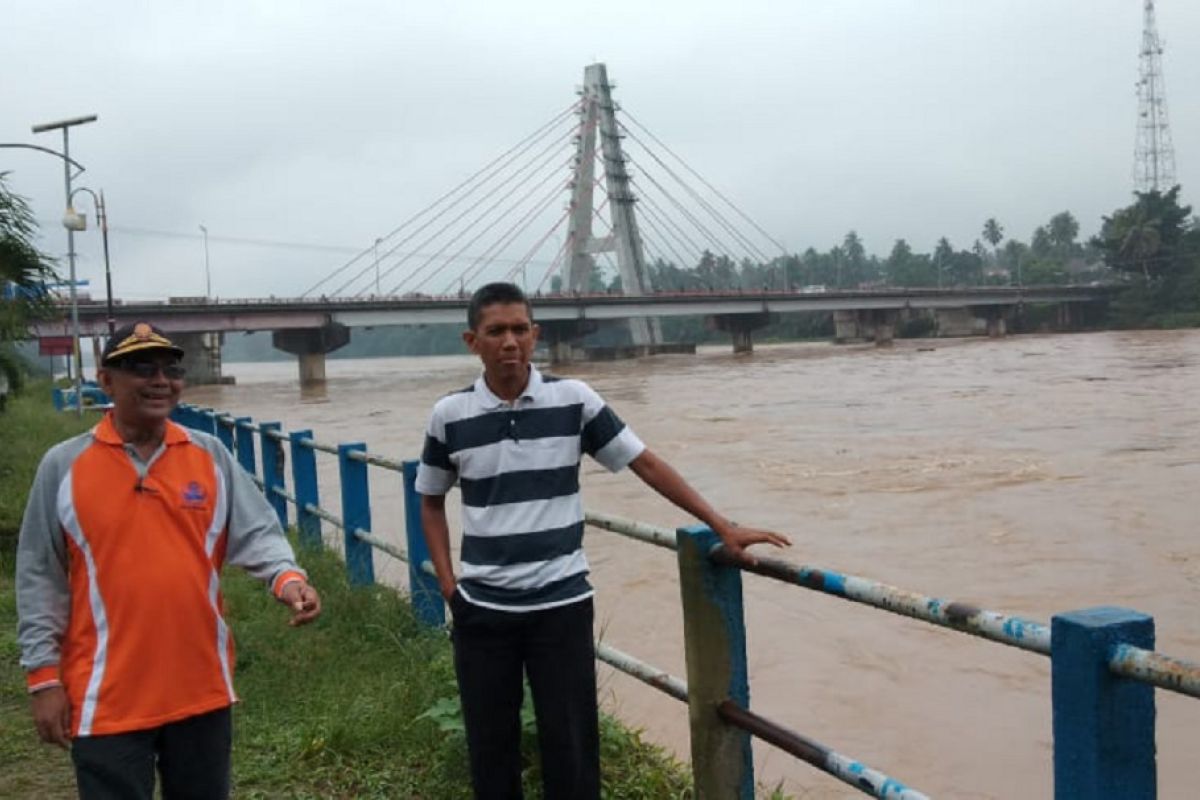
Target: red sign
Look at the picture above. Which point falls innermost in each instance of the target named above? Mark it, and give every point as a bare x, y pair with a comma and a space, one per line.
55, 346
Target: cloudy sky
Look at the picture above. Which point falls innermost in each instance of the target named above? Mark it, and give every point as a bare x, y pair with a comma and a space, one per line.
299, 132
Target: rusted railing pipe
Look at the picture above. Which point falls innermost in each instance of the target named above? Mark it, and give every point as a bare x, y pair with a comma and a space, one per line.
380, 544
846, 769
317, 511
315, 445
646, 673
1014, 631
642, 531
1154, 668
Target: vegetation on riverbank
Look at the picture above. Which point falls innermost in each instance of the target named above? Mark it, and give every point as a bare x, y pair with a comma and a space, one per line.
361, 704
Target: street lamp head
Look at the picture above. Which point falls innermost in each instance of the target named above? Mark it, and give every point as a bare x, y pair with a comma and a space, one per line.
74, 221
64, 123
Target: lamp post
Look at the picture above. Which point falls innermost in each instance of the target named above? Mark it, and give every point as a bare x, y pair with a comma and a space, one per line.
78, 222
207, 273
377, 241
65, 125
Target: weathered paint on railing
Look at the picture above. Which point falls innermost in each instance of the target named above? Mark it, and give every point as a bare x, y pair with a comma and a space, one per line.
1163, 671
642, 531
356, 513
328, 516
1103, 724
646, 673
380, 544
714, 643
1014, 631
849, 770
315, 445
304, 479
273, 468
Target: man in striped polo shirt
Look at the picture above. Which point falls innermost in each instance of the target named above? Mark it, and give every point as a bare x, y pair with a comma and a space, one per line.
513, 442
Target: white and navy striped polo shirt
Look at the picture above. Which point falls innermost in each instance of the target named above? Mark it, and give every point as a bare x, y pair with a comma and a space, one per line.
517, 466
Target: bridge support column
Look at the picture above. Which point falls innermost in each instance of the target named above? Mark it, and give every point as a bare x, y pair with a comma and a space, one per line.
872, 324
740, 327
955, 322
202, 356
564, 338
310, 345
997, 326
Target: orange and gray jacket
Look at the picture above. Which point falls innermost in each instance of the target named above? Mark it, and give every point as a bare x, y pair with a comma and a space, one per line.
118, 566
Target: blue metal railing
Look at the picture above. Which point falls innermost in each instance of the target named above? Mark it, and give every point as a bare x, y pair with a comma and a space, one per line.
1103, 665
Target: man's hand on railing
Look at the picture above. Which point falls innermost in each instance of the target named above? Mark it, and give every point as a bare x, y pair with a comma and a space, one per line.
736, 539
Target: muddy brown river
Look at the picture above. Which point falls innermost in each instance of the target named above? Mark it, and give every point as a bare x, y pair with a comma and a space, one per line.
1028, 475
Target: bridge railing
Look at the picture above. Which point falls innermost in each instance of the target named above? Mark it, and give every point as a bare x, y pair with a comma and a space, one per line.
1103, 666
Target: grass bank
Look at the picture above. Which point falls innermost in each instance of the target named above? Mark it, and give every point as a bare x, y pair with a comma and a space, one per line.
362, 704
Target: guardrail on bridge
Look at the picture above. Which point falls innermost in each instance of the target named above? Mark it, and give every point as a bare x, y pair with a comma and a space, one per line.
1103, 666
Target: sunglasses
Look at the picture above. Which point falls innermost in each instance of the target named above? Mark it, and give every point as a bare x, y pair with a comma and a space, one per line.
148, 369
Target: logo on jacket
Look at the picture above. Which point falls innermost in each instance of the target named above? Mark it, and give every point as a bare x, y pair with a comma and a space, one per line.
194, 496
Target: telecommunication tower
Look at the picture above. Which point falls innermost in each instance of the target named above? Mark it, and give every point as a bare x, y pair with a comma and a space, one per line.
1154, 158
597, 120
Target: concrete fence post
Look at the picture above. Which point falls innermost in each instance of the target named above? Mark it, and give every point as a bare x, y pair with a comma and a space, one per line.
714, 633
1103, 723
304, 481
272, 466
244, 438
356, 514
426, 595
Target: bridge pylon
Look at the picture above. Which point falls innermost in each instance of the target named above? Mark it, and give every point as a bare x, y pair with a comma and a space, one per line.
598, 121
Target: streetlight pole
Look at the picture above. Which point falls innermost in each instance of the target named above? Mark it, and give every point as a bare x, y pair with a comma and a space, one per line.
78, 222
377, 241
65, 125
207, 272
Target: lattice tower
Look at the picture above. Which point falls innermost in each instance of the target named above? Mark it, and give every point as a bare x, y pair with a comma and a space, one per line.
1154, 158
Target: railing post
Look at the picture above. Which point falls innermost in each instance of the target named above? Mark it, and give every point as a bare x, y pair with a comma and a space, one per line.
208, 420
426, 595
272, 463
224, 432
244, 437
356, 514
1103, 724
714, 634
304, 481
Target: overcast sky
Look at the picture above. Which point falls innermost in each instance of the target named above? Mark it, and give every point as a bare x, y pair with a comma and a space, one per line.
324, 125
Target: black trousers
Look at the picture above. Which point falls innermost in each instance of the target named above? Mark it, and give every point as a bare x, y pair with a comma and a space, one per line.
192, 757
554, 647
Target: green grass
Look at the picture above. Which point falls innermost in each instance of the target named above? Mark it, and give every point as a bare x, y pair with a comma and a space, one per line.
337, 709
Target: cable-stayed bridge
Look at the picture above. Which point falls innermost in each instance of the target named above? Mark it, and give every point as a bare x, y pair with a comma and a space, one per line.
600, 221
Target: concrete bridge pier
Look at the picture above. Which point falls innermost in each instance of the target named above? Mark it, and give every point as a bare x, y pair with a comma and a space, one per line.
871, 324
740, 327
996, 320
202, 356
310, 346
564, 338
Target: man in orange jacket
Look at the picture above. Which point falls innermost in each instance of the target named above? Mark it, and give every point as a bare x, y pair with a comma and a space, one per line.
128, 658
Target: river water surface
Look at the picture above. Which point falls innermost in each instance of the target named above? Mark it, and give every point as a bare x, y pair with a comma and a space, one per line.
1028, 475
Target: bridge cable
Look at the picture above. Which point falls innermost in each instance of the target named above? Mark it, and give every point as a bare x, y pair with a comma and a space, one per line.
625, 114
746, 243
720, 246
514, 230
505, 237
469, 209
475, 205
521, 145
478, 220
651, 208
404, 256
517, 229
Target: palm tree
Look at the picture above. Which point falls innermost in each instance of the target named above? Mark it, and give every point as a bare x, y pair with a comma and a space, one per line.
993, 234
24, 272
